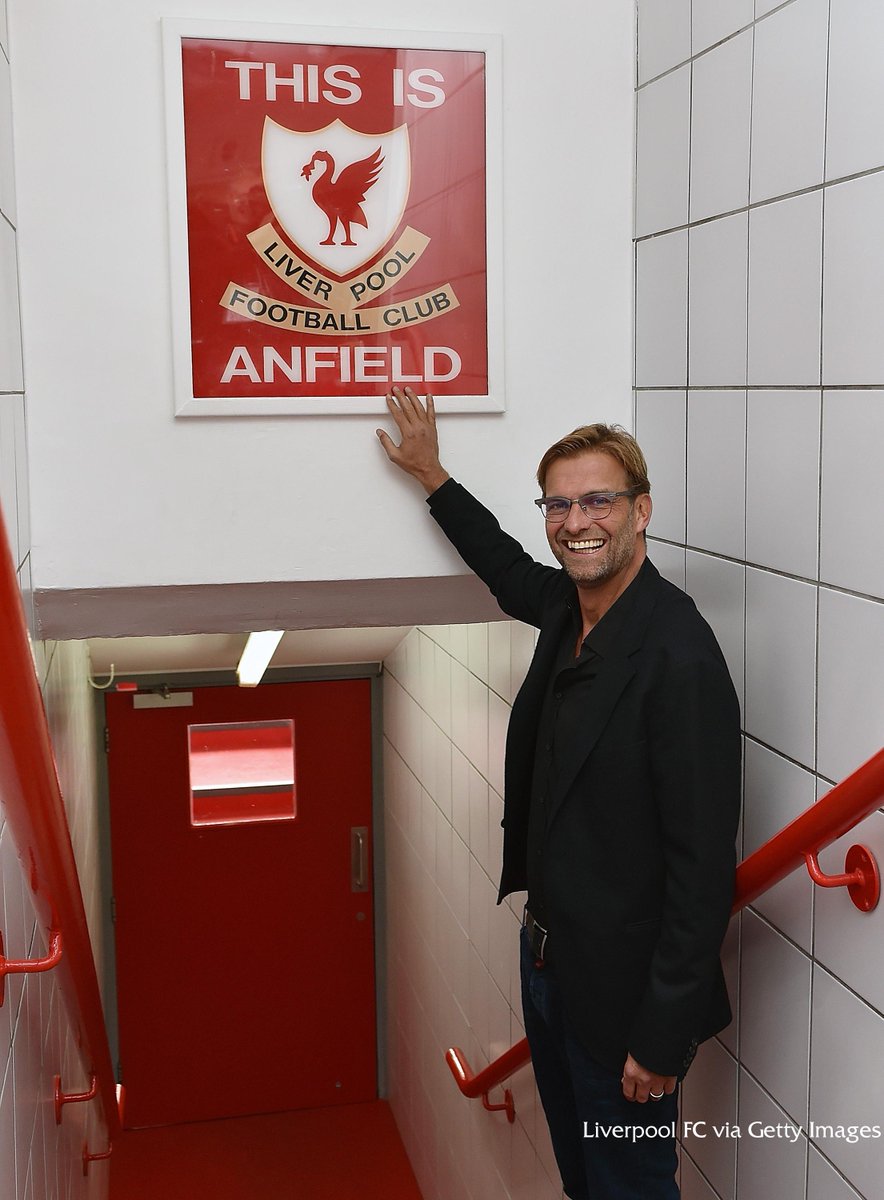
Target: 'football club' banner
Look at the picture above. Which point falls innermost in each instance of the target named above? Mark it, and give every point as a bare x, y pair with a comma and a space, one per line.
330, 223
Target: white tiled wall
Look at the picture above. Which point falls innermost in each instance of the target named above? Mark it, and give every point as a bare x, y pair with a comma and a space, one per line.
13, 454
770, 293
452, 952
40, 1160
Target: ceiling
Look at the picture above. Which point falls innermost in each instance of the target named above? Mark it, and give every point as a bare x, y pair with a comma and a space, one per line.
221, 651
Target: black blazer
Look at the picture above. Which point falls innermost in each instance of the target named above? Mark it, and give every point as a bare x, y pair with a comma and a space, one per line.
640, 851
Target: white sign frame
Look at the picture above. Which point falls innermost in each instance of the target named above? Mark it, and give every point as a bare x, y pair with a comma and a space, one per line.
173, 31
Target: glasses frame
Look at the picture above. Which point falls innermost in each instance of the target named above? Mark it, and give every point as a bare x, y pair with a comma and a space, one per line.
612, 497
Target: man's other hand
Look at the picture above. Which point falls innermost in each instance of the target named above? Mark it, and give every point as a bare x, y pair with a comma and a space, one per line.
641, 1085
418, 451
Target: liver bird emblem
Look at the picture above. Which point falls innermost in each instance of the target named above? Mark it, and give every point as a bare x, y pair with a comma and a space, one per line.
341, 199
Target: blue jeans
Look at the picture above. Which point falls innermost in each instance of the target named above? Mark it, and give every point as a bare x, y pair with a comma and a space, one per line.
583, 1100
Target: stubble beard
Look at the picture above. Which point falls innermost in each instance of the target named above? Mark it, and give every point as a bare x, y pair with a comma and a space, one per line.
616, 556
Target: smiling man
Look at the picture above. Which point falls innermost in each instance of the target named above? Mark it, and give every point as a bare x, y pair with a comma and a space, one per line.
622, 784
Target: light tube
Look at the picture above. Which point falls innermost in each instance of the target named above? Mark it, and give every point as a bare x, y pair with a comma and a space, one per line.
256, 656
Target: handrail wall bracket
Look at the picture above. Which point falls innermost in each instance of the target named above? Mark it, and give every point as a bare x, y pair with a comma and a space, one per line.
29, 966
495, 1073
88, 1158
861, 876
508, 1105
62, 1098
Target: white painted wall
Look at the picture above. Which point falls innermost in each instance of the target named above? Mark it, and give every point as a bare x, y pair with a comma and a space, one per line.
125, 495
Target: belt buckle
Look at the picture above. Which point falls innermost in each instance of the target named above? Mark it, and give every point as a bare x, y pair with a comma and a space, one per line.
534, 929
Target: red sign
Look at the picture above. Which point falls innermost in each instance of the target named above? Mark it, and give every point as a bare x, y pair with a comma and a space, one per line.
336, 220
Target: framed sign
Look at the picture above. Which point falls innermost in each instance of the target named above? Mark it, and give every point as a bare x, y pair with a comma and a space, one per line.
334, 218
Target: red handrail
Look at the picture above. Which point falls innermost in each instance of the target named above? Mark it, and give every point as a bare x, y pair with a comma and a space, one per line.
36, 817
848, 803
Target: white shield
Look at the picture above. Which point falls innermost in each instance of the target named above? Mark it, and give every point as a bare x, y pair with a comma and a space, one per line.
302, 195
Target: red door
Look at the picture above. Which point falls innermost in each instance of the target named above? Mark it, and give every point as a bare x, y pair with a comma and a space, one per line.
245, 954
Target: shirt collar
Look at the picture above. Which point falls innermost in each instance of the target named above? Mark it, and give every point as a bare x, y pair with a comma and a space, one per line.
601, 638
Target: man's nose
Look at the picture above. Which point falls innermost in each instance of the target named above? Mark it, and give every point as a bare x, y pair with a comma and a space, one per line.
576, 518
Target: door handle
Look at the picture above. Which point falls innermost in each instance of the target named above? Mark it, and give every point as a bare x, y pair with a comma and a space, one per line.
359, 858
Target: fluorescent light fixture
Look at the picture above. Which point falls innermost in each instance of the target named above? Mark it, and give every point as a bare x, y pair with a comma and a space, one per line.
256, 656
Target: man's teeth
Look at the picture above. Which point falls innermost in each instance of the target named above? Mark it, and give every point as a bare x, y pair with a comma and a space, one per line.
593, 544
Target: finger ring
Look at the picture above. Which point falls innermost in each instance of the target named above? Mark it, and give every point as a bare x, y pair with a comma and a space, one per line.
656, 1095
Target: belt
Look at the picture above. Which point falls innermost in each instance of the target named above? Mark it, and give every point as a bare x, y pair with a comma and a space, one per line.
537, 935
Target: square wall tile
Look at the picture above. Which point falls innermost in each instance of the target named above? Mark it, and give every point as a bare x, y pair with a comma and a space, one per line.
10, 325
850, 542
477, 731
694, 1186
713, 20
720, 128
661, 311
709, 1094
7, 162
7, 1128
717, 471
851, 682
442, 689
669, 561
778, 480
789, 99
499, 653
8, 488
824, 1182
776, 793
664, 36
477, 650
853, 282
460, 794
730, 965
478, 797
522, 653
775, 1015
661, 429
718, 302
460, 715
718, 590
785, 290
843, 934
664, 124
498, 721
848, 1038
459, 644
781, 663
22, 481
771, 1165
855, 119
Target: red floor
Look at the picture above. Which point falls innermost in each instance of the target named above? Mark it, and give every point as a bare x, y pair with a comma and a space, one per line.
350, 1152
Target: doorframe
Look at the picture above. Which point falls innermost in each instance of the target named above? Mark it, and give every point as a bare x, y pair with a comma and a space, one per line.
156, 681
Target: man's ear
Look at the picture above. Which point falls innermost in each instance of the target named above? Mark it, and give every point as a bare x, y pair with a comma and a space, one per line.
643, 508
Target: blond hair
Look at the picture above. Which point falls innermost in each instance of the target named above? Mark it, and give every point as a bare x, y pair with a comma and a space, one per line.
605, 439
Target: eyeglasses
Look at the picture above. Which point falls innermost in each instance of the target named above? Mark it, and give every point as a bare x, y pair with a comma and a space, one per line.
555, 509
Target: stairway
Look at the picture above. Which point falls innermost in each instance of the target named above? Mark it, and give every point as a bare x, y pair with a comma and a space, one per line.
347, 1151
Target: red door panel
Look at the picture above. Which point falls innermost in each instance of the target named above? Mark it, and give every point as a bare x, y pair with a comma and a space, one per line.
245, 959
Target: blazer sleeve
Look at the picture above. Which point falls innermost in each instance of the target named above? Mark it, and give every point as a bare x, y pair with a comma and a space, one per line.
522, 587
694, 729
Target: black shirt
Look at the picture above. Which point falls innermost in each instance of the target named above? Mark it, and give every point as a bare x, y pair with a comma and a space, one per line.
568, 683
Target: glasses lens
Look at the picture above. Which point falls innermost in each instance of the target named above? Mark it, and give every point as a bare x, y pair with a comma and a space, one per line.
597, 504
554, 508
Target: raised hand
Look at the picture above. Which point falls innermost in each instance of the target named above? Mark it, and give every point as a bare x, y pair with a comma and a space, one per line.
418, 451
